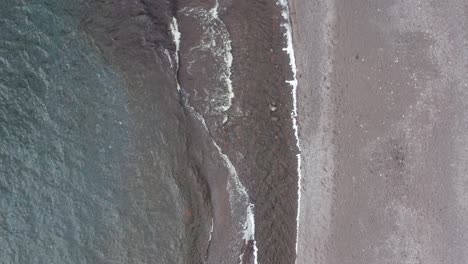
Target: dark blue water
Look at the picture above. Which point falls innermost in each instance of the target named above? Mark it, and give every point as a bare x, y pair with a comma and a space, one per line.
72, 188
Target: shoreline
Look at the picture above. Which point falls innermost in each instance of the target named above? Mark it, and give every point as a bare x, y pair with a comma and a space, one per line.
313, 46
234, 218
289, 49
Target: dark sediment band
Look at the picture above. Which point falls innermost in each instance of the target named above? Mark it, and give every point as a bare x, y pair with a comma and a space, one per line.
134, 36
258, 136
263, 131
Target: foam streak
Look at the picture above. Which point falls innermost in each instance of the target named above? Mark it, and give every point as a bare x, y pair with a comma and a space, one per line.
292, 62
237, 191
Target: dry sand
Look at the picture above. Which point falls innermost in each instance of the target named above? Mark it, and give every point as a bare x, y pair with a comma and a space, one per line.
383, 102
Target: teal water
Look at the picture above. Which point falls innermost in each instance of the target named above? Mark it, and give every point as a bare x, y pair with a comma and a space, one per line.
67, 151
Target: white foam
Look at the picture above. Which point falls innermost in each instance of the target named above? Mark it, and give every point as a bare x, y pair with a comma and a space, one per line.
234, 181
292, 62
249, 230
211, 230
249, 225
227, 56
169, 58
237, 191
174, 27
216, 40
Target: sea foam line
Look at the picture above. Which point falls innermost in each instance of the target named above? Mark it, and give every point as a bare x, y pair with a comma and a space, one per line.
215, 39
174, 27
292, 62
211, 230
234, 180
249, 233
249, 225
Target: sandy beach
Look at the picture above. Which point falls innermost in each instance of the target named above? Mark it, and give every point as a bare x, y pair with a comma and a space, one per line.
382, 114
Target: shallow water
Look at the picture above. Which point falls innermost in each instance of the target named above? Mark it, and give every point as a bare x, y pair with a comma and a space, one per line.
72, 185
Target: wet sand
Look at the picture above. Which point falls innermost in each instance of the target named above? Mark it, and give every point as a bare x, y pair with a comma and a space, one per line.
255, 132
259, 133
383, 94
215, 136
